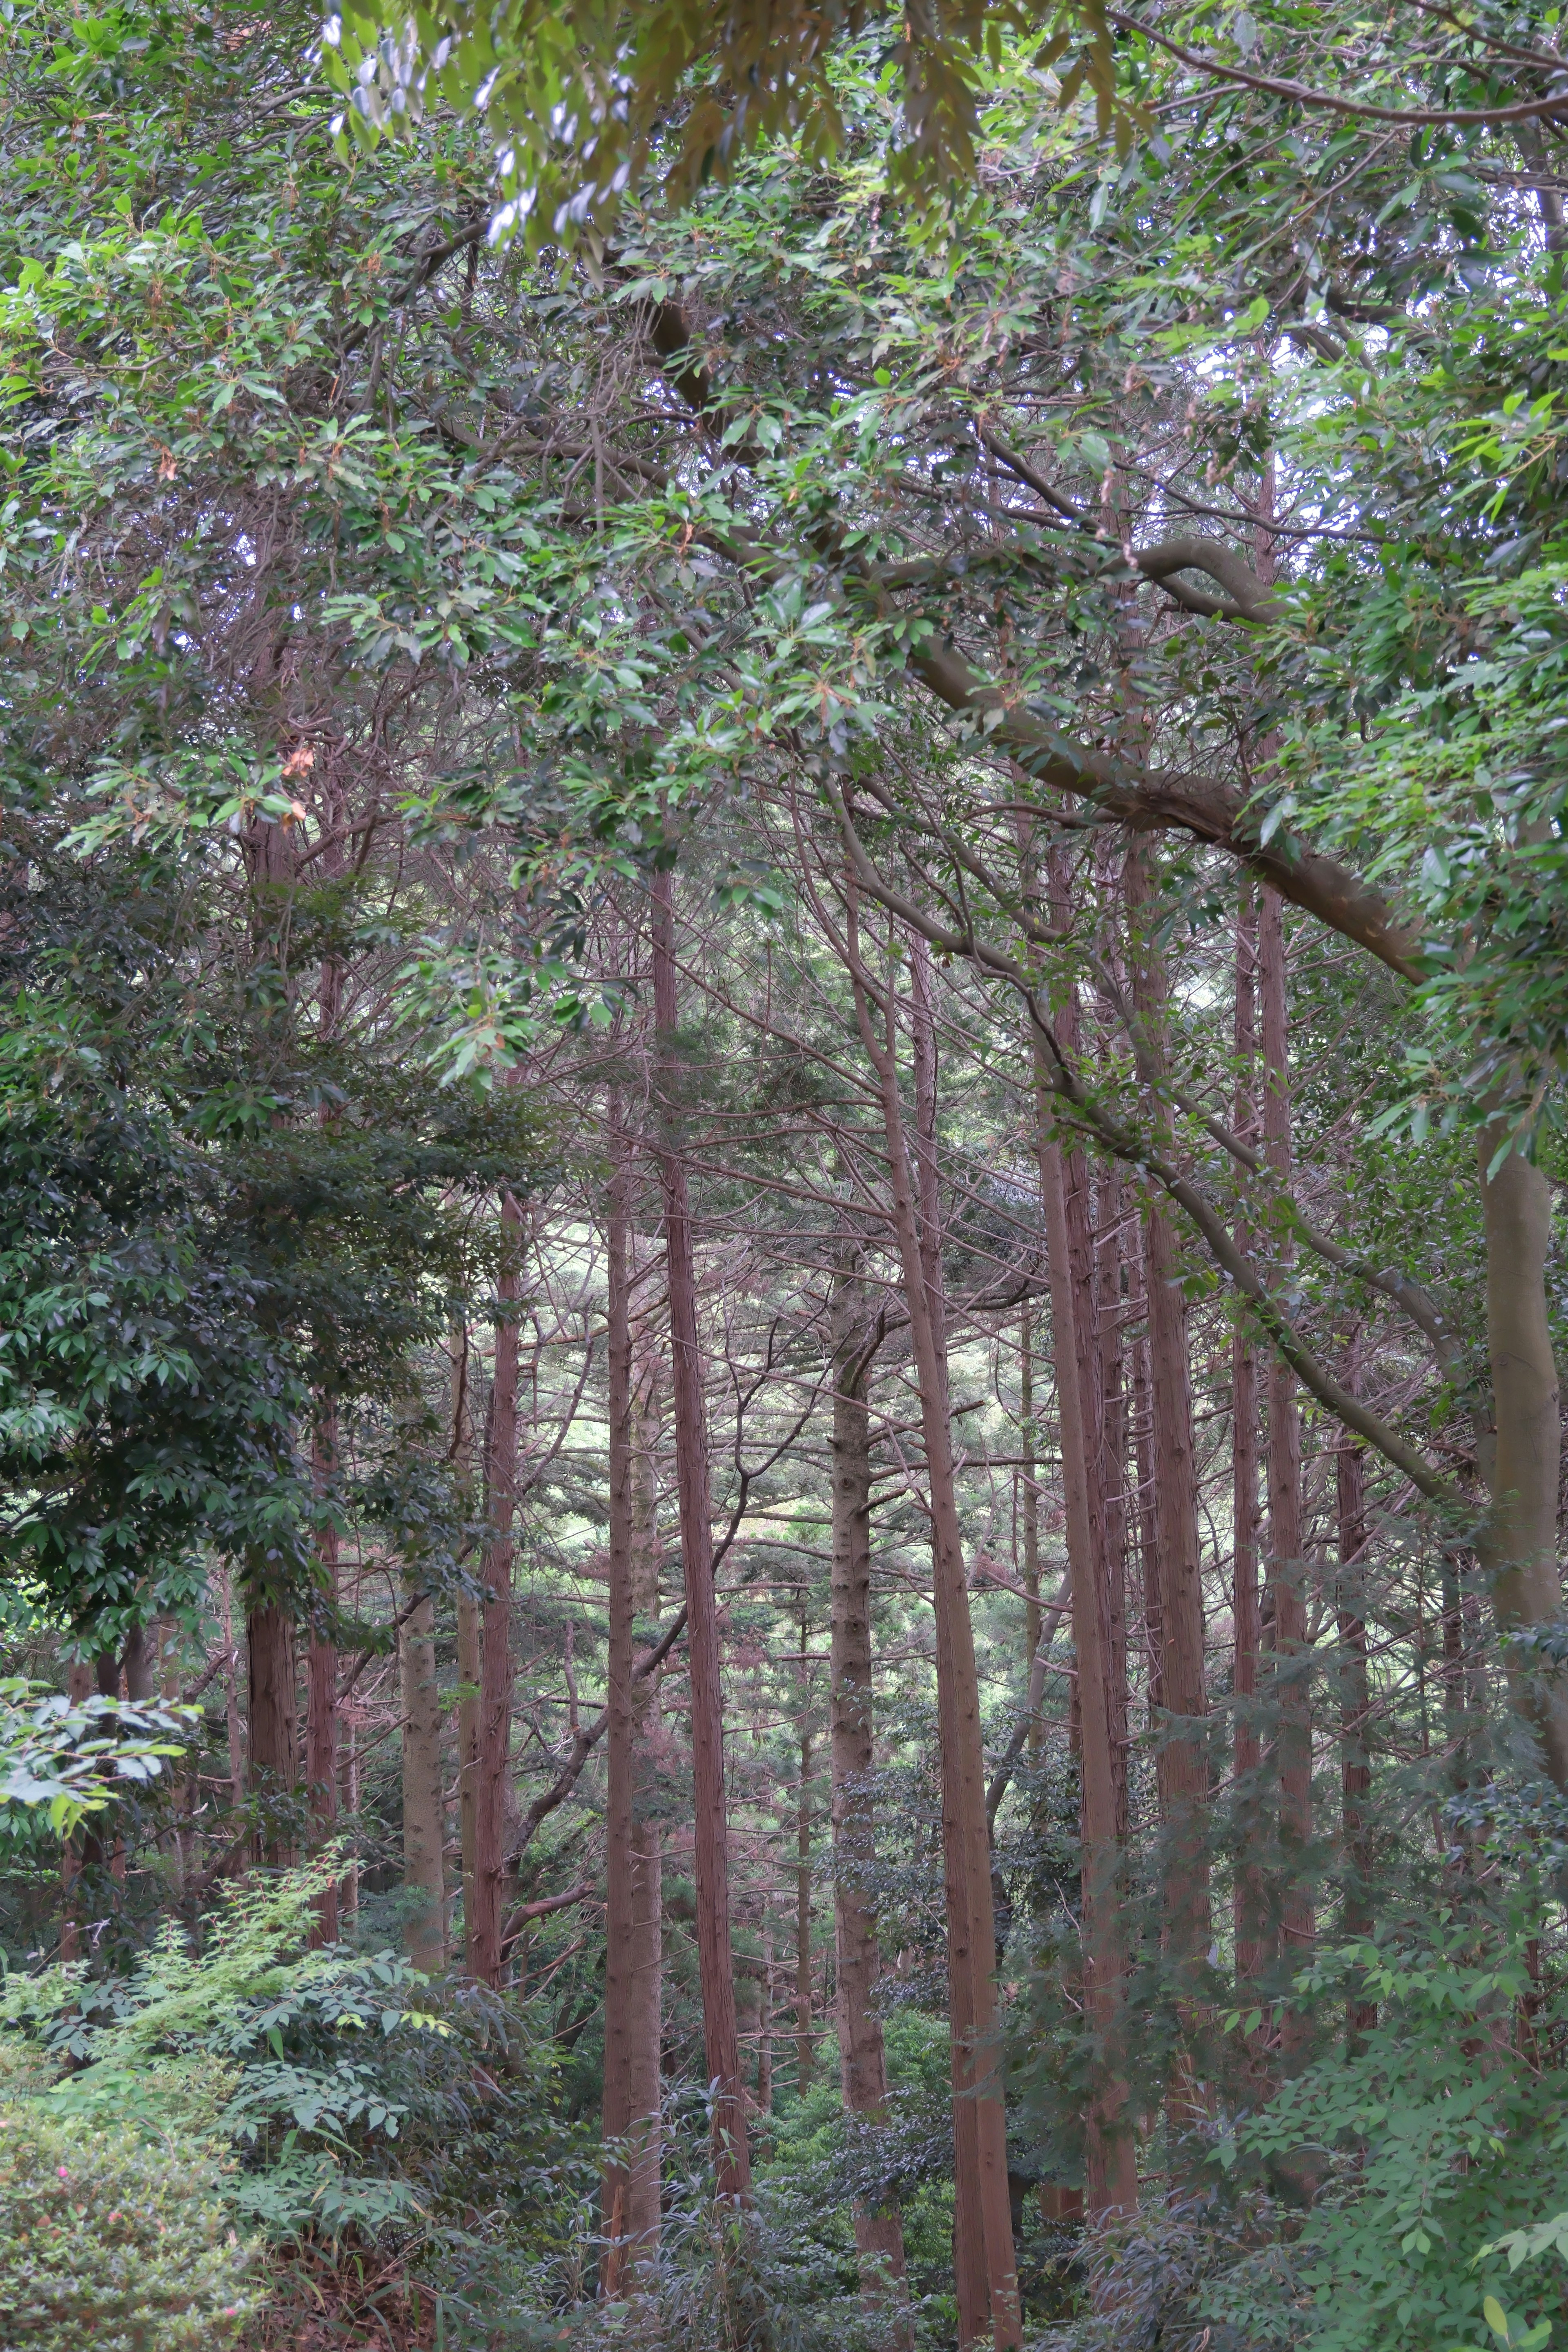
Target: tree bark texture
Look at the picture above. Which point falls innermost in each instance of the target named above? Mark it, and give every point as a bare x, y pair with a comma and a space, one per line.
485, 1956
469, 1667
274, 1727
711, 1863
984, 2270
632, 1858
1029, 1512
878, 2235
1181, 1762
1520, 1550
1111, 2159
322, 1680
1249, 1919
804, 2037
424, 1814
980, 2124
1286, 1565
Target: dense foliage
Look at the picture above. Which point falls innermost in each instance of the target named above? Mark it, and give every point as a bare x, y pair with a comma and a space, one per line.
986, 685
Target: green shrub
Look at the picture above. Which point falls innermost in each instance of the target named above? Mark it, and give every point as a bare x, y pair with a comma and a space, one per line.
110, 2244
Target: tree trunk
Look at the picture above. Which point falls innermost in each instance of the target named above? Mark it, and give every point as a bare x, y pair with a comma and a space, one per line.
1029, 1510
721, 2046
1111, 2159
646, 2077
1249, 1910
322, 1686
1355, 1707
878, 2235
1520, 1549
79, 1687
469, 1665
1182, 1764
984, 2262
485, 1956
423, 1816
983, 2216
632, 1921
274, 1727
805, 2038
1286, 1565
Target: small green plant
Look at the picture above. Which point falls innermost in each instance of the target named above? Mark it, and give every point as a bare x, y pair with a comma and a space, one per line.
109, 2239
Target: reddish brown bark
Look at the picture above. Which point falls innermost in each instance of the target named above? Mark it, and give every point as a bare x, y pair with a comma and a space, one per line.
1287, 1566
632, 1977
1174, 1566
984, 2270
1111, 2159
711, 1862
321, 1689
469, 1667
274, 1725
485, 1955
424, 1814
1029, 1512
984, 2256
879, 2236
1251, 1941
805, 2034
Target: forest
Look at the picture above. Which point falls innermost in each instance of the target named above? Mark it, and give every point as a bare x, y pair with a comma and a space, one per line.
783, 1022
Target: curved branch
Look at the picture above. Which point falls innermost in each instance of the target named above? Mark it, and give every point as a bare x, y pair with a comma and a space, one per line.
1098, 1125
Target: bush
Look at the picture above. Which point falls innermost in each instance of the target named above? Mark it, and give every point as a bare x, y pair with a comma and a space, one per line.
111, 2244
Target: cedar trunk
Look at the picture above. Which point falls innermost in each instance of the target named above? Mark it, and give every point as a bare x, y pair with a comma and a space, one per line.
1249, 1910
321, 1683
715, 1966
1174, 1566
485, 1955
632, 1984
424, 1821
983, 2208
1111, 2159
1287, 1566
1520, 1543
274, 1725
983, 2235
879, 2236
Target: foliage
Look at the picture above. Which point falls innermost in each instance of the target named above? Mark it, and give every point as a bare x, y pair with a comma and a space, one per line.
110, 2239
255, 2042
1438, 2133
68, 1755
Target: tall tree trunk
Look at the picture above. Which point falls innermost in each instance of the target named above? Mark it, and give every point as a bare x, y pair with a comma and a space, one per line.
632, 1858
485, 1955
983, 2212
1250, 1907
469, 1665
731, 2157
274, 1727
79, 1687
1029, 1510
1519, 1548
1111, 1477
322, 1682
985, 2272
1182, 1765
1110, 1567
878, 2235
1111, 2158
1356, 1707
804, 2037
424, 1814
646, 2075
1286, 1565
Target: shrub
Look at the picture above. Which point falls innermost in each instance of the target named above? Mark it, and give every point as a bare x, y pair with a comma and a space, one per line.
111, 2243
